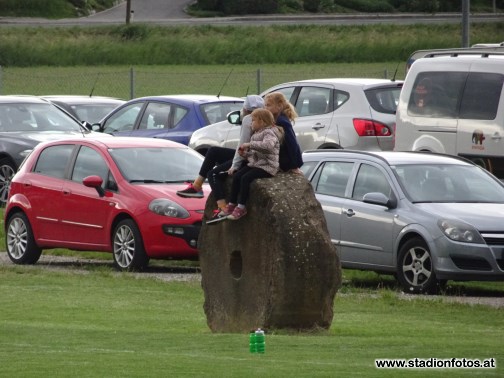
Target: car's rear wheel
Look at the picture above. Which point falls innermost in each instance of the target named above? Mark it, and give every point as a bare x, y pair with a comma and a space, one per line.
128, 248
19, 240
415, 270
7, 171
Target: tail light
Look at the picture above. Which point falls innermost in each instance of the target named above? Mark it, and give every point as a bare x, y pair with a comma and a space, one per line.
367, 127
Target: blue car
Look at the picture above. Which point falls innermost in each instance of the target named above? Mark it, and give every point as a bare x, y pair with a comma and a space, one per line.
173, 117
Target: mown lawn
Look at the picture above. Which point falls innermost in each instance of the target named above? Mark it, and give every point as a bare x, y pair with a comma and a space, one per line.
97, 322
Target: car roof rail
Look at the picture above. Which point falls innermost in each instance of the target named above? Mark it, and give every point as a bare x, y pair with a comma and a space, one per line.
483, 54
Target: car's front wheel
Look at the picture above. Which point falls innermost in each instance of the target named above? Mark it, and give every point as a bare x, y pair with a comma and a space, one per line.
7, 171
19, 240
128, 248
415, 270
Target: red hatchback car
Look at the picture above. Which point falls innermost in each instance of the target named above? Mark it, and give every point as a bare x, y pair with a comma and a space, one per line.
113, 195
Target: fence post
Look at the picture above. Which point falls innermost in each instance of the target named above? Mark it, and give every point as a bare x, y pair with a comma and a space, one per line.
258, 78
132, 83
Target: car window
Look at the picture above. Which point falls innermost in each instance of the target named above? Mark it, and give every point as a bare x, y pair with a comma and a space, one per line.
35, 117
124, 119
481, 96
333, 178
436, 94
313, 101
155, 164
156, 116
217, 111
53, 160
339, 99
448, 183
178, 114
288, 92
370, 179
384, 100
308, 167
92, 113
89, 163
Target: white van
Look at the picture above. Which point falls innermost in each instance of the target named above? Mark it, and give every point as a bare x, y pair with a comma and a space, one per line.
454, 105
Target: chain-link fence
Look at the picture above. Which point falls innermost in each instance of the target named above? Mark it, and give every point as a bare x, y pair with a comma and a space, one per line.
130, 83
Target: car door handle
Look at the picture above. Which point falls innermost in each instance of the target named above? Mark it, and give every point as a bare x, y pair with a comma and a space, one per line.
318, 126
66, 192
349, 212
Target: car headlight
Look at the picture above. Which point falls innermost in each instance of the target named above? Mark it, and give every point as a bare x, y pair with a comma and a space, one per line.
460, 231
168, 208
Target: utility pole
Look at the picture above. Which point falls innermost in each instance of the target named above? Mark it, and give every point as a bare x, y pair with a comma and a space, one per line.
465, 22
128, 11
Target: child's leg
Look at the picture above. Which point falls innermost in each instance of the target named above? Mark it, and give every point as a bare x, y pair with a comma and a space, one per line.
246, 181
236, 185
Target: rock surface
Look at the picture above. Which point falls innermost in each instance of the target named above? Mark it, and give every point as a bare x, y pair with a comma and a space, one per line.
275, 268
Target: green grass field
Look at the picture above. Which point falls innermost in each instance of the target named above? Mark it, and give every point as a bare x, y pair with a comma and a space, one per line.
99, 323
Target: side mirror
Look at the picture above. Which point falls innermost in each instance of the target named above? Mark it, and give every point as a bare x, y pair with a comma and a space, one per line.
377, 198
94, 182
96, 127
234, 118
87, 125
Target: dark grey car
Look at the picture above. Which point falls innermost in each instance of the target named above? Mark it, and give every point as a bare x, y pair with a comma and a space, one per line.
426, 218
89, 109
25, 121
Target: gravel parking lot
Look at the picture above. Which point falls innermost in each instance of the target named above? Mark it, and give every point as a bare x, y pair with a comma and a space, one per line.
185, 274
81, 266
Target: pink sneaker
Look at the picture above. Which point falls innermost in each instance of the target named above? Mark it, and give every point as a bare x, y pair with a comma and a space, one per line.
227, 211
237, 213
191, 192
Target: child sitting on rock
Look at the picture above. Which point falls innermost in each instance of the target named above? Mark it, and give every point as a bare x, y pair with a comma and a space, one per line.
262, 155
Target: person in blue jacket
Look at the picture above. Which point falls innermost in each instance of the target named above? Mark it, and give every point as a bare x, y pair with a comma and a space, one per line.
284, 112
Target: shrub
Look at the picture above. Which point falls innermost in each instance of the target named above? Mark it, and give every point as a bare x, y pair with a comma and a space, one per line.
249, 6
366, 5
311, 5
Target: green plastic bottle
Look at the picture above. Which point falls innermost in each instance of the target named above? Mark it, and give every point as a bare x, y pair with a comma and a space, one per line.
252, 342
260, 341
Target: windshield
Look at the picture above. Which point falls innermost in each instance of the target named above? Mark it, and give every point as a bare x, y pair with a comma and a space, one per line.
157, 164
448, 183
218, 111
35, 117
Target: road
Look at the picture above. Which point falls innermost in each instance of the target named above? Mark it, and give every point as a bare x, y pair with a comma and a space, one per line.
171, 13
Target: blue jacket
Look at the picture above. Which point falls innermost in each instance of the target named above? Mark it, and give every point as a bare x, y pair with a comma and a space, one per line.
290, 152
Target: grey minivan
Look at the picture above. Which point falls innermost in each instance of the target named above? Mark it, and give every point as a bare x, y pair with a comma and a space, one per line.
425, 218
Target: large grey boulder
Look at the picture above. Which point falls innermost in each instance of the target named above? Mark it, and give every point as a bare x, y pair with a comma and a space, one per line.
276, 267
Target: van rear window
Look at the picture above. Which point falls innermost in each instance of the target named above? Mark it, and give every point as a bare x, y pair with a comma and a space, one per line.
462, 95
481, 96
436, 94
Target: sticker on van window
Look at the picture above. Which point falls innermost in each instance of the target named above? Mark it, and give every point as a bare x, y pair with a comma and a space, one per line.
477, 139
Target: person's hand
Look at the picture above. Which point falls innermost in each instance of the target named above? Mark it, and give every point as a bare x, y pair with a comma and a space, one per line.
243, 149
231, 171
296, 170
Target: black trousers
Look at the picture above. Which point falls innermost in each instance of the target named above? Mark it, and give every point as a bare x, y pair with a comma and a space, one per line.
217, 160
242, 180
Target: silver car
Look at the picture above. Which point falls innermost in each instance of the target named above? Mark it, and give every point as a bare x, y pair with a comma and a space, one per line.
333, 113
426, 218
